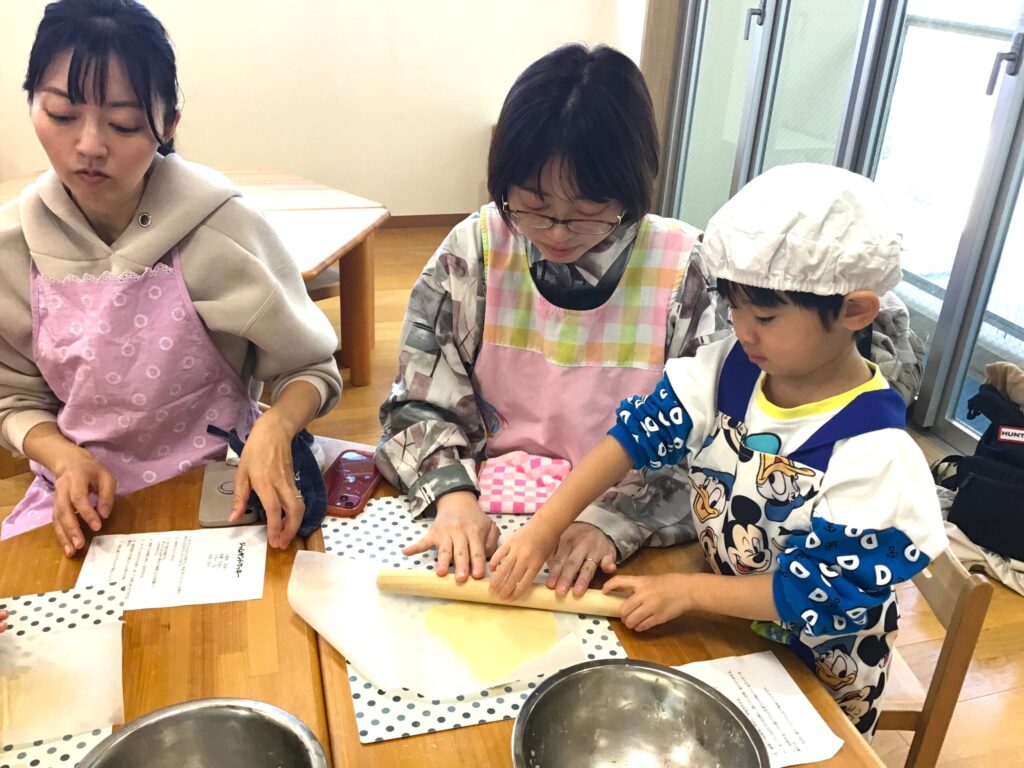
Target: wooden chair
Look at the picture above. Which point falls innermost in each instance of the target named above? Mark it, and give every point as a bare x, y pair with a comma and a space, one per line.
959, 601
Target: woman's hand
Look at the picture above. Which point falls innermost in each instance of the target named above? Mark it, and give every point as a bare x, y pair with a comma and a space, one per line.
654, 599
83, 486
265, 467
582, 549
461, 532
3, 621
520, 559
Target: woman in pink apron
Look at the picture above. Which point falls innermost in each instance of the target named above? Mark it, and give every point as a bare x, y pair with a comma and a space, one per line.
535, 317
142, 301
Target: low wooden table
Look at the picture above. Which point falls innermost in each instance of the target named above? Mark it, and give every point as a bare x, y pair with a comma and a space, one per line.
694, 637
258, 649
323, 227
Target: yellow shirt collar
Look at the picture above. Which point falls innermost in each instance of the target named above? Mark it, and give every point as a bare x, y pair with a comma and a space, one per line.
828, 405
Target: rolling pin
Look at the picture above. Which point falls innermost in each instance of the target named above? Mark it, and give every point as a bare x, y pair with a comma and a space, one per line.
427, 584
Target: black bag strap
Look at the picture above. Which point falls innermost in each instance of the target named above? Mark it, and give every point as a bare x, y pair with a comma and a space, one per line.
946, 479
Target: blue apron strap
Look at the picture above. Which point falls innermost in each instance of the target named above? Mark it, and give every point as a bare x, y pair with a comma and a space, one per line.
736, 383
871, 411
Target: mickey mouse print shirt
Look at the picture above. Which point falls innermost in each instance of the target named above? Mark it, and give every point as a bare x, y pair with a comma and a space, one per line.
833, 498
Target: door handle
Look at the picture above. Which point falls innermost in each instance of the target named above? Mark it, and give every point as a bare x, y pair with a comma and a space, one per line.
753, 13
1012, 58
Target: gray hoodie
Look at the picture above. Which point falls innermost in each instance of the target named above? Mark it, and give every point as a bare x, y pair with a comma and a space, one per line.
244, 285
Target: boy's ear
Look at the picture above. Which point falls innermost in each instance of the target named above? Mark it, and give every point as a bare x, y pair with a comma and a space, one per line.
859, 310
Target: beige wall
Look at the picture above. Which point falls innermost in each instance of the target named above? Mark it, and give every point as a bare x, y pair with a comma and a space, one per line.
390, 99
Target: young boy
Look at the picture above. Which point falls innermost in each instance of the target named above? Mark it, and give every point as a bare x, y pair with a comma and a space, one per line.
801, 476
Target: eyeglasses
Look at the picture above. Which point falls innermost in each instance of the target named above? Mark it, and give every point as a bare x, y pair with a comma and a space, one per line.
579, 226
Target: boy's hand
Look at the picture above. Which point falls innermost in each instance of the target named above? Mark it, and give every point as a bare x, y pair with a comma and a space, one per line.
3, 620
582, 549
519, 560
654, 599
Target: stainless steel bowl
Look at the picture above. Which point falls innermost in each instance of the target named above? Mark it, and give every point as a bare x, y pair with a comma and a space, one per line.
633, 714
226, 733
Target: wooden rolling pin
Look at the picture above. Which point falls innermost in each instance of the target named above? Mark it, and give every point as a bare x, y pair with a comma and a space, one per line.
427, 584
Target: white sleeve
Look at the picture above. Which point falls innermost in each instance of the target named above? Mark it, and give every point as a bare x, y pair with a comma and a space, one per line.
880, 480
876, 516
694, 381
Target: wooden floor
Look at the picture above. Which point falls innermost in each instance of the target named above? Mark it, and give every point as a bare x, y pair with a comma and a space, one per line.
984, 730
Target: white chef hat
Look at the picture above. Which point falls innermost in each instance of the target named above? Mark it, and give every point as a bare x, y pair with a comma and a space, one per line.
806, 227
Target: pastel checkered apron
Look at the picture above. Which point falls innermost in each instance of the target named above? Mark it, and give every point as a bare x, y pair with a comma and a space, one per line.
549, 379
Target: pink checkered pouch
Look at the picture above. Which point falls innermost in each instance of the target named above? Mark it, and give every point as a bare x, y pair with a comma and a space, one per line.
519, 483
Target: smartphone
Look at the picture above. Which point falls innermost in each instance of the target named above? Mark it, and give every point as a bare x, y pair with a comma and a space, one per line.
351, 481
218, 494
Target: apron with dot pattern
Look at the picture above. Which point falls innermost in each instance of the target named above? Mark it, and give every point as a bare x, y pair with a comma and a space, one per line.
138, 378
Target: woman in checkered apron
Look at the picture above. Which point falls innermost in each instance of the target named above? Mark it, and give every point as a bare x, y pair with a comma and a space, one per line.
536, 315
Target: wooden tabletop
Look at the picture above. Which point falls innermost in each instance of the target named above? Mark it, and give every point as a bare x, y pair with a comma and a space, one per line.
694, 637
271, 190
258, 649
262, 650
318, 224
317, 239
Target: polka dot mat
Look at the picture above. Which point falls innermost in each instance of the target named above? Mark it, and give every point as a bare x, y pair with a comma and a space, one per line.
64, 751
39, 614
33, 615
379, 534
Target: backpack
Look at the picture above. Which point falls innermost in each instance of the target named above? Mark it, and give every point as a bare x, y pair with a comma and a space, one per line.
989, 503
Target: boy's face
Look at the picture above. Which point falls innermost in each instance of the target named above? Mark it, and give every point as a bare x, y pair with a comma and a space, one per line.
788, 340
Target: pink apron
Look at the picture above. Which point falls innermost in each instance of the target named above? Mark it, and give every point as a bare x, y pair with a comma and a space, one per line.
549, 379
138, 377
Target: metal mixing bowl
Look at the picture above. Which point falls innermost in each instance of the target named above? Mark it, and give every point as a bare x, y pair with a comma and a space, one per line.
226, 733
632, 714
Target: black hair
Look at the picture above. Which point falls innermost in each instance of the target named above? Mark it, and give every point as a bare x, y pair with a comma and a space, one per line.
591, 110
827, 307
95, 30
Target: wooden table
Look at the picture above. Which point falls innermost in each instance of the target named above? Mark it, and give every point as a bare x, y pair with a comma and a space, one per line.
695, 637
257, 649
262, 650
321, 227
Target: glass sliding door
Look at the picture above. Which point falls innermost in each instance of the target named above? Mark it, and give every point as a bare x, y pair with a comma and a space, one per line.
944, 160
767, 82
935, 137
812, 90
993, 332
924, 96
721, 96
